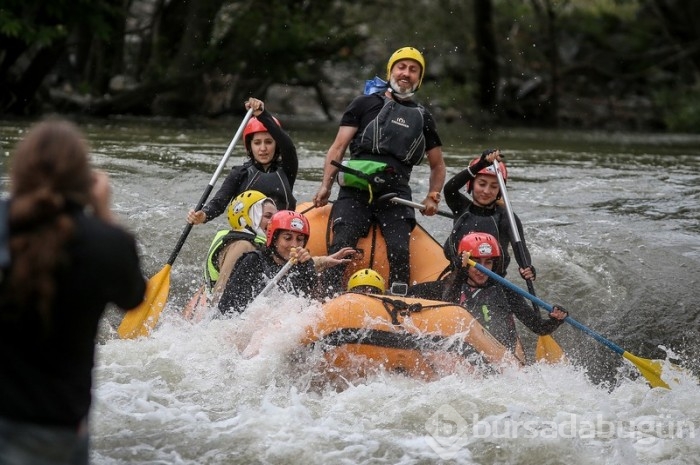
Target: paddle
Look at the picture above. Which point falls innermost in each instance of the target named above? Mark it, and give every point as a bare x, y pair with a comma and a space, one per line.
650, 369
280, 274
307, 210
419, 206
141, 320
547, 348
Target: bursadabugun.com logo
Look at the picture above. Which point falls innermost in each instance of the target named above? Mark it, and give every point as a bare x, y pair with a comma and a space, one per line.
449, 431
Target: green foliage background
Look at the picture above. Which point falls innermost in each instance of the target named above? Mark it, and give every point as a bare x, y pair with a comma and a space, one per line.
614, 64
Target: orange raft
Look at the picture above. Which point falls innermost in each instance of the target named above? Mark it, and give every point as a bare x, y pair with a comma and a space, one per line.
427, 258
360, 334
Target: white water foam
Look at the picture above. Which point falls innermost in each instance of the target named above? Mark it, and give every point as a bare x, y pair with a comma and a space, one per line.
225, 391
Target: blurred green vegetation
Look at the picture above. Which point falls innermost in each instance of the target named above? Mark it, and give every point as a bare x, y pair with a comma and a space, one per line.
608, 64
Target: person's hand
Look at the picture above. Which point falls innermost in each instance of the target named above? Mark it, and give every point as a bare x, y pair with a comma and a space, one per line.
431, 207
466, 256
528, 273
489, 155
196, 217
341, 256
558, 312
101, 196
299, 254
257, 105
322, 196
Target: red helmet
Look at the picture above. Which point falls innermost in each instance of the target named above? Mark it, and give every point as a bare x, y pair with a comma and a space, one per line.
287, 220
489, 171
254, 125
479, 245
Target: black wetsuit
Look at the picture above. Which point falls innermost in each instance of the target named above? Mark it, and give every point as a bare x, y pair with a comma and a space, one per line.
472, 218
496, 308
252, 273
353, 214
277, 182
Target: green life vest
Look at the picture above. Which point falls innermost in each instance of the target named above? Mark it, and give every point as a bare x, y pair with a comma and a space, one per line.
222, 238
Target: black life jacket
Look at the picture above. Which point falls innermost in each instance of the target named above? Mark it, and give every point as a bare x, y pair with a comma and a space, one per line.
397, 131
274, 184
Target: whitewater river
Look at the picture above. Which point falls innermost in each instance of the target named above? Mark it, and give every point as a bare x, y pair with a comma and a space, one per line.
613, 224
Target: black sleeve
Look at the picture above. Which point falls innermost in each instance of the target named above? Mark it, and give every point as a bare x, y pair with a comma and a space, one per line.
128, 289
231, 187
362, 110
456, 201
247, 280
303, 278
288, 152
530, 318
432, 139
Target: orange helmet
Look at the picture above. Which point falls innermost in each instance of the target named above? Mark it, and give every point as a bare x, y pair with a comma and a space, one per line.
287, 220
479, 245
489, 171
254, 125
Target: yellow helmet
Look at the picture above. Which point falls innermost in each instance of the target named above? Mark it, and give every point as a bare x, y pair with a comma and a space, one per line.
367, 277
406, 53
239, 209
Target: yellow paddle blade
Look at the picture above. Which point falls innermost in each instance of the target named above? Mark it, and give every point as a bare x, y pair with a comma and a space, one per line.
650, 369
141, 320
548, 350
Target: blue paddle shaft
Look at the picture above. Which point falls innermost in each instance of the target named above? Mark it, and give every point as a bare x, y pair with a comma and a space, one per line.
611, 345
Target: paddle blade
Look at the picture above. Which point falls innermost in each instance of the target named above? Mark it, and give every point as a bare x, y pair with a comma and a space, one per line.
549, 351
141, 320
650, 369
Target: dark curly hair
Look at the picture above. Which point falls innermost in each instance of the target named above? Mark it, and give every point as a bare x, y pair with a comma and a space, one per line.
49, 175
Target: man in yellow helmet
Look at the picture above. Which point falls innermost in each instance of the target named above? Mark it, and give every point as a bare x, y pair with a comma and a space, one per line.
387, 133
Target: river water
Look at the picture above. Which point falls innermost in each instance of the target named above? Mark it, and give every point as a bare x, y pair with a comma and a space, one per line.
612, 222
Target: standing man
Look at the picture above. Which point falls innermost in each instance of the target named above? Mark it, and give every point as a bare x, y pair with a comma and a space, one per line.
388, 134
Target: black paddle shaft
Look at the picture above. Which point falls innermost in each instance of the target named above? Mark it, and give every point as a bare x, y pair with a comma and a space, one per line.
188, 227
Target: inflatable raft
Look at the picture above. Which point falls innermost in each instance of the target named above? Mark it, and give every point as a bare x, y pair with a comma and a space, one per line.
360, 334
427, 258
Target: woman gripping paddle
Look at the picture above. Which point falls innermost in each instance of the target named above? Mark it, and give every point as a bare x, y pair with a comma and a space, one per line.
493, 305
286, 238
482, 213
271, 168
